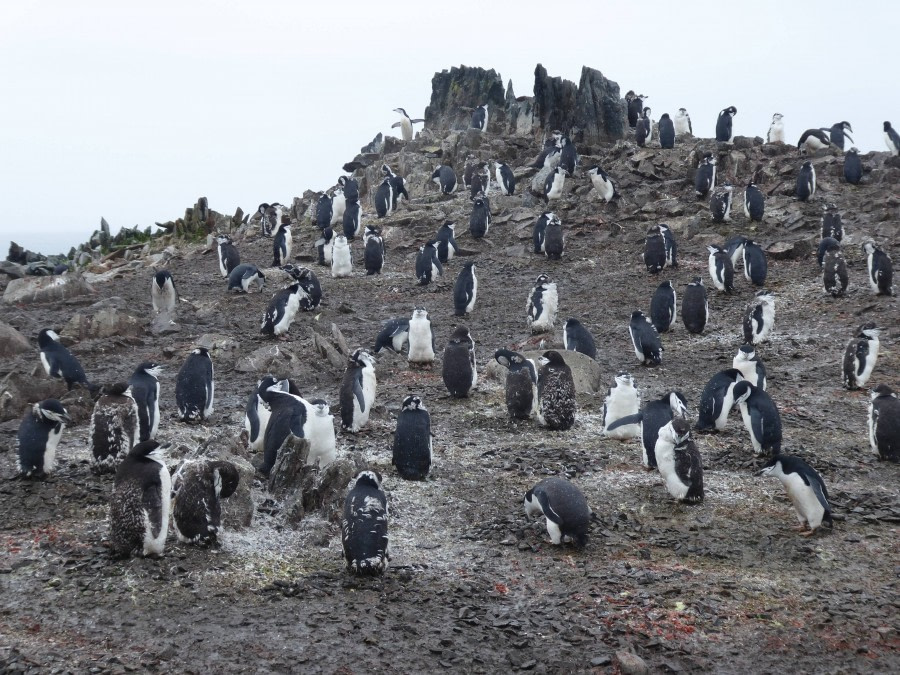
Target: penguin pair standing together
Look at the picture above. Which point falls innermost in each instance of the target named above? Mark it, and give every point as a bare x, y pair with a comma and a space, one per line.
281, 411
653, 417
660, 248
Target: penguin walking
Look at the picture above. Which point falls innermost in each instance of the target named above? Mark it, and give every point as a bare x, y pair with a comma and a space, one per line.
695, 307
406, 124
577, 338
465, 290
393, 335
244, 277
717, 400
891, 139
853, 169
521, 383
721, 270
506, 181
324, 211
459, 371
724, 130
539, 231
839, 133
884, 423
761, 417
351, 222
881, 271
38, 437
421, 338
568, 156
140, 503
446, 242
256, 412
480, 117
679, 462
554, 240
358, 391
445, 178
384, 198
666, 130
325, 247
163, 294
806, 182
480, 219
554, 184
114, 428
542, 305
556, 393
756, 267
428, 265
748, 364
813, 140
834, 271
832, 225
776, 129
705, 178
309, 284
622, 400
564, 508
291, 414
195, 386
754, 202
341, 258
805, 488
662, 307
282, 310
229, 258
603, 184
58, 361
720, 203
860, 356
144, 385
199, 488
364, 528
412, 449
645, 339
373, 253
282, 245
653, 417
759, 318
683, 122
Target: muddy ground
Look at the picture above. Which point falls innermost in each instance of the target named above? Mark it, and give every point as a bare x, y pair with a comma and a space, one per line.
473, 586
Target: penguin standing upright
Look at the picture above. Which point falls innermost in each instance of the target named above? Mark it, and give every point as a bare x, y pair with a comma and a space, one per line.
521, 383
364, 528
655, 249
350, 186
622, 400
717, 400
412, 447
282, 245
325, 246
832, 225
721, 271
776, 129
556, 393
724, 130
735, 248
405, 124
480, 182
643, 129
539, 231
291, 414
891, 139
566, 511
480, 219
320, 432
445, 178
339, 206
398, 185
265, 224
554, 240
256, 412
695, 306
59, 361
645, 339
683, 122
884, 423
577, 338
244, 277
506, 181
853, 169
754, 202
804, 487
881, 271
352, 220
549, 157
542, 305
282, 310
140, 503
554, 184
465, 290
144, 384
480, 117
679, 462
602, 183
428, 265
446, 241
384, 198
195, 386
838, 133
662, 307
834, 271
705, 179
666, 132
635, 104
761, 417
751, 368
163, 295
358, 391
568, 156
756, 267
860, 356
324, 211
199, 487
393, 335
459, 371
341, 258
373, 253
114, 428
720, 203
229, 258
421, 338
806, 182
39, 433
654, 416
759, 318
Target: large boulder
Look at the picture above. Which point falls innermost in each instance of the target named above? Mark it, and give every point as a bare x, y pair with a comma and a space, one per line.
12, 342
456, 92
107, 318
18, 390
46, 289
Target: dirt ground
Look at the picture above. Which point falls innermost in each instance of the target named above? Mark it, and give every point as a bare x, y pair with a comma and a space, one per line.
474, 586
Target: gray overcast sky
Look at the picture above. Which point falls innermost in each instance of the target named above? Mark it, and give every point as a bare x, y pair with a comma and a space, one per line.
133, 110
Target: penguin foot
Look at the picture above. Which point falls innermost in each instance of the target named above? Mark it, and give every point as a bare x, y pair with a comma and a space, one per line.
808, 533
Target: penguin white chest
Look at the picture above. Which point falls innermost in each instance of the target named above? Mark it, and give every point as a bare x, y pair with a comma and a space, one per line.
622, 402
155, 545
322, 446
873, 428
421, 349
50, 449
341, 261
809, 510
291, 307
46, 363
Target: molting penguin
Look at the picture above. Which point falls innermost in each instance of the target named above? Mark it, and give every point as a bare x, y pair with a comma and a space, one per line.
776, 129
554, 240
884, 423
556, 393
282, 245
838, 132
39, 433
312, 295
480, 219
717, 400
831, 223
445, 177
881, 271
195, 386
352, 220
805, 488
428, 265
750, 367
229, 258
720, 203
140, 503
853, 169
568, 156
682, 122
813, 140
655, 415
405, 124
199, 487
645, 339
459, 371
114, 428
891, 139
705, 178
421, 338
834, 271
679, 462
256, 413
564, 507
662, 307
602, 183
282, 310
59, 361
506, 181
266, 224
364, 529
754, 202
144, 384
521, 383
806, 182
542, 305
695, 306
761, 418
373, 253
480, 117
577, 338
554, 184
666, 132
412, 440
721, 270
759, 318
341, 258
393, 335
622, 400
358, 391
724, 131
756, 267
324, 211
162, 292
325, 246
465, 290
860, 356
384, 198
244, 277
446, 241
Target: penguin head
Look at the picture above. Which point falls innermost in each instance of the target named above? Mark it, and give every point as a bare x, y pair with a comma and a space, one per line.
321, 407
420, 313
151, 368
450, 225
742, 391
117, 389
340, 240
696, 282
151, 448
47, 337
362, 358
678, 404
887, 126
412, 402
777, 117
882, 390
624, 379
681, 429
268, 381
853, 151
224, 238
509, 359
730, 110
765, 297
225, 478
401, 111
683, 111
646, 112
461, 335
52, 411
553, 358
369, 478
745, 353
868, 248
772, 467
261, 210
664, 116
869, 331
845, 125
541, 280
201, 351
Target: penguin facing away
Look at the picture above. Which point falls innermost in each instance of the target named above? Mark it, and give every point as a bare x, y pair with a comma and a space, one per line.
622, 400
577, 338
654, 249
480, 218
721, 270
724, 130
351, 222
459, 370
754, 202
539, 230
881, 270
556, 393
257, 411
884, 423
645, 339
195, 387
114, 428
759, 318
853, 169
695, 307
373, 253
163, 294
364, 528
324, 211
350, 186
144, 385
662, 307
199, 487
679, 461
761, 417
59, 362
412, 449
521, 383
860, 356
806, 182
756, 267
834, 272
832, 225
393, 335
805, 488
566, 511
140, 503
554, 239
666, 128
421, 338
38, 437
568, 156
358, 391
465, 290
445, 177
717, 400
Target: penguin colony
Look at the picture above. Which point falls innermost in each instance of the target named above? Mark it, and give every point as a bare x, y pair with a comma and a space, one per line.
126, 418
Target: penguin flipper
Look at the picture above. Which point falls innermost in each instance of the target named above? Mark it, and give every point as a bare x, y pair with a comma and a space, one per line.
546, 508
637, 418
395, 125
862, 352
756, 424
358, 392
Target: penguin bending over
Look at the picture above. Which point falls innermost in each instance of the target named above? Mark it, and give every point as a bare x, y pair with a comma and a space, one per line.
198, 488
58, 361
813, 140
244, 277
393, 335
805, 488
38, 437
564, 507
724, 131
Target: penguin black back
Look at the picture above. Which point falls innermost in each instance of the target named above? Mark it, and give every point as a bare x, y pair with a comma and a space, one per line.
364, 529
